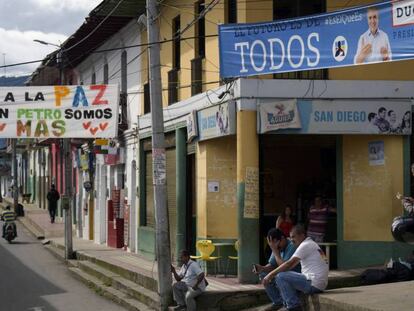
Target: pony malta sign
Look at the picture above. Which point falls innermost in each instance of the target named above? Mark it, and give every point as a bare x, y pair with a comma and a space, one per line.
75, 111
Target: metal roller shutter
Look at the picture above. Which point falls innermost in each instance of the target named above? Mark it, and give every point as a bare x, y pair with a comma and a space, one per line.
149, 195
171, 198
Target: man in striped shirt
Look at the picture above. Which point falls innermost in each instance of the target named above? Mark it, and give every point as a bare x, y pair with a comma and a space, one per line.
318, 218
8, 217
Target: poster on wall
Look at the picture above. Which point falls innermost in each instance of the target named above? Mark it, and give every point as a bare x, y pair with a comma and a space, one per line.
61, 111
251, 193
374, 33
387, 117
376, 153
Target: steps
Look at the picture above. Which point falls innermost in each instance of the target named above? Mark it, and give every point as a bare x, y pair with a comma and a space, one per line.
109, 292
132, 289
112, 282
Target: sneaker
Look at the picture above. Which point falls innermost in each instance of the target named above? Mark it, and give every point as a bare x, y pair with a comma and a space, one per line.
177, 308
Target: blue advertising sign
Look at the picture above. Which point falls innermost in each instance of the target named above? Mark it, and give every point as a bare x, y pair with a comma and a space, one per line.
335, 117
369, 34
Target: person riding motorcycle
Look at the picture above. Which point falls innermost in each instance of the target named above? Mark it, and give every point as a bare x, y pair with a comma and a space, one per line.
9, 217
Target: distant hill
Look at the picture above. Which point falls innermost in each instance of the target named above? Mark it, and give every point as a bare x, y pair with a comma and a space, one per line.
13, 81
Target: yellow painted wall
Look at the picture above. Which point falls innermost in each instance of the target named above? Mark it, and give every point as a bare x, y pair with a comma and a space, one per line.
217, 211
247, 143
369, 191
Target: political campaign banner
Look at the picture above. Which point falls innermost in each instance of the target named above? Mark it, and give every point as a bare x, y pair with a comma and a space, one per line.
389, 117
72, 111
376, 33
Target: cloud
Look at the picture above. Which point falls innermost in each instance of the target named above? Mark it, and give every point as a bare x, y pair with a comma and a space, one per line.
19, 47
66, 5
53, 21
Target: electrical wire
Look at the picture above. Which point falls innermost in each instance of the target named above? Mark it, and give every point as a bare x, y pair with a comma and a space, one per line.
95, 29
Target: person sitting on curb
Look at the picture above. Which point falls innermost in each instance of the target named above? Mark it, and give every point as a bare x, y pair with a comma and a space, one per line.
190, 283
282, 249
314, 276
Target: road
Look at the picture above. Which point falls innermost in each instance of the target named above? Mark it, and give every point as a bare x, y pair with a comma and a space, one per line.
32, 279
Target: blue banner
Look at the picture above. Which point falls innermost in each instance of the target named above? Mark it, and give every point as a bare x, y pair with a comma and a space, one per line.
369, 34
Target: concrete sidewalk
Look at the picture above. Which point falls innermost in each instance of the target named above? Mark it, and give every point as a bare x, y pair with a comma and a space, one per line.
222, 292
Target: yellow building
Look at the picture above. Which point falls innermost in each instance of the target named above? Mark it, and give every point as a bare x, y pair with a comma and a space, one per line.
233, 180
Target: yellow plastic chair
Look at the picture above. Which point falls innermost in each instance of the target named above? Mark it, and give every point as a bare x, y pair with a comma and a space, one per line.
229, 258
206, 248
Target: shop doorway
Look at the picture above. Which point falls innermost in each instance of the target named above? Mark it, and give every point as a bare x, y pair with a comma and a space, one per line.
294, 169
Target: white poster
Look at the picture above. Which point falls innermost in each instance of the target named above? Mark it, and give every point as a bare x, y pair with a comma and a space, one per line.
376, 153
60, 111
282, 114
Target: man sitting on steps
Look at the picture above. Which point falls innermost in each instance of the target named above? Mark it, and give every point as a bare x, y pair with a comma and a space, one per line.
314, 276
190, 283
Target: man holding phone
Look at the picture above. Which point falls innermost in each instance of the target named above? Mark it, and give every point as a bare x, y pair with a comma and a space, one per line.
282, 249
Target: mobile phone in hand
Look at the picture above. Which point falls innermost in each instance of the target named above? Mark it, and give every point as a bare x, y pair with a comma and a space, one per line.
254, 268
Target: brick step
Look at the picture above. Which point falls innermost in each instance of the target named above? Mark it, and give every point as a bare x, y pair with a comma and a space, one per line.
109, 292
141, 279
128, 287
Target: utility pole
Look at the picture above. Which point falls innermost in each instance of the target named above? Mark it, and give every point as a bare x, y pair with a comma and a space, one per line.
15, 189
163, 251
67, 197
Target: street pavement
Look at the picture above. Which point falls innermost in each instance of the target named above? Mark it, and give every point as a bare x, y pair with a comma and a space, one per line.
32, 279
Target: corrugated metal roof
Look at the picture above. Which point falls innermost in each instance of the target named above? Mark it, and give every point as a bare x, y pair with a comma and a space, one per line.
78, 50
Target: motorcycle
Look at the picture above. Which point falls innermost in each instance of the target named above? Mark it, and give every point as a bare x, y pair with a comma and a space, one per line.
402, 227
9, 233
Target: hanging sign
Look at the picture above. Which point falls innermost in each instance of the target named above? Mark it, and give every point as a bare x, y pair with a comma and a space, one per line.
346, 117
280, 115
369, 34
59, 111
192, 130
217, 121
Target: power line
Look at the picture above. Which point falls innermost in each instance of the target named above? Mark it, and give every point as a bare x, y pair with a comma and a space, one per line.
95, 29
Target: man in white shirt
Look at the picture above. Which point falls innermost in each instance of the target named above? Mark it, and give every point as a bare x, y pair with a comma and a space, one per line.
373, 45
190, 283
314, 276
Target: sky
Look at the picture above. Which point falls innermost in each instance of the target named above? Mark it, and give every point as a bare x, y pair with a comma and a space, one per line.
22, 21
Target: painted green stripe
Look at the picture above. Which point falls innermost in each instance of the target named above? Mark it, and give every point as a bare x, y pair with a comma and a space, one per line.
364, 254
249, 241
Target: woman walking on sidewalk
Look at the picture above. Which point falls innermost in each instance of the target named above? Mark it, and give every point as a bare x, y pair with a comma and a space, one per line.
53, 196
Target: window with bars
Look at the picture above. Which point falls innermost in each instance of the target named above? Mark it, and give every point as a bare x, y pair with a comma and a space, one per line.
230, 13
124, 64
200, 30
106, 74
176, 26
172, 86
283, 9
147, 102
196, 76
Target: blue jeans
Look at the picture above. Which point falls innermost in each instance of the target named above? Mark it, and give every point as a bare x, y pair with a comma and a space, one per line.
272, 291
289, 283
